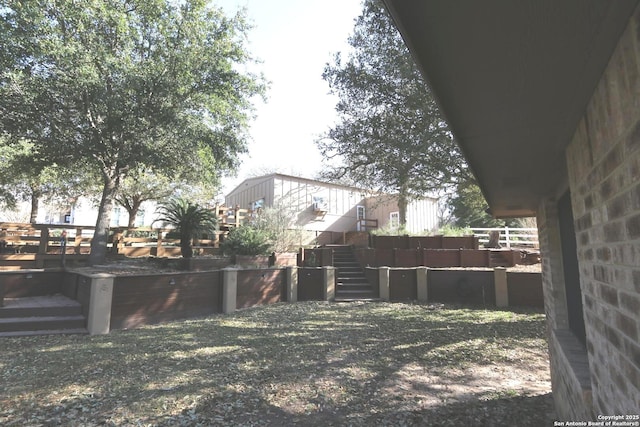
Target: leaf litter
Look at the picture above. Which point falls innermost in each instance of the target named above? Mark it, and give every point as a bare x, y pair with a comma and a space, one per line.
309, 363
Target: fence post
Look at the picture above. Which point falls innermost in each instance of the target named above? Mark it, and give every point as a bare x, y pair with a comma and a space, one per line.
329, 277
229, 290
77, 241
501, 286
159, 247
506, 237
44, 240
292, 284
383, 280
99, 319
422, 283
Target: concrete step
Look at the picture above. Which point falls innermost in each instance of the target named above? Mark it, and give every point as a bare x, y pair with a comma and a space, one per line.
352, 281
354, 285
357, 299
25, 311
74, 331
41, 323
351, 272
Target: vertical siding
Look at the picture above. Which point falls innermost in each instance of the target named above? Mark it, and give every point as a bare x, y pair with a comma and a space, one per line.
250, 191
422, 215
341, 202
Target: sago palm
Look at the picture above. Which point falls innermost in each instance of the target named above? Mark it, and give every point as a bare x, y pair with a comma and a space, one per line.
190, 221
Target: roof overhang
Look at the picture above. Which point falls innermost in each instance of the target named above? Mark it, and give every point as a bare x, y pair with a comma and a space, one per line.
513, 79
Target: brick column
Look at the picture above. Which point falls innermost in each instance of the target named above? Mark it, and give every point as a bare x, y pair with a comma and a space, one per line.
229, 290
99, 319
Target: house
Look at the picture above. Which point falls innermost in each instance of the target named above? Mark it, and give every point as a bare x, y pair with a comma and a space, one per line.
84, 212
329, 210
544, 99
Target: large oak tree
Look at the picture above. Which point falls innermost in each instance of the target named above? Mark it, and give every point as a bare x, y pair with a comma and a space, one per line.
390, 135
125, 84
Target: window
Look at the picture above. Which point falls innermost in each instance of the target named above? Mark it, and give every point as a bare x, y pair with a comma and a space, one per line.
361, 223
394, 220
571, 269
258, 204
139, 222
319, 204
115, 216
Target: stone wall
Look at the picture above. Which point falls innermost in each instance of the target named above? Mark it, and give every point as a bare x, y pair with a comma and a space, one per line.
603, 163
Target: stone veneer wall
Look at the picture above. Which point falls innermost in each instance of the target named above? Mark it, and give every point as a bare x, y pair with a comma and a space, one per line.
603, 162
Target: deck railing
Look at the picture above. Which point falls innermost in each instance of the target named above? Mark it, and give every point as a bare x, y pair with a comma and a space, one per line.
51, 238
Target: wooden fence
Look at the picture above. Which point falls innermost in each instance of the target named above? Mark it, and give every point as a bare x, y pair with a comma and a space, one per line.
25, 238
510, 236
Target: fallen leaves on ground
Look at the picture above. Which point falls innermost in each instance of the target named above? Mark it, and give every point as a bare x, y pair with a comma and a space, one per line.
310, 363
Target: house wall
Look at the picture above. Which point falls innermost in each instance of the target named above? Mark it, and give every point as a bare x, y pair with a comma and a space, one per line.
250, 191
299, 194
601, 377
84, 212
422, 215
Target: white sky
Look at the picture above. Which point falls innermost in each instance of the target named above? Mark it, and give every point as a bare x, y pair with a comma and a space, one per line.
294, 39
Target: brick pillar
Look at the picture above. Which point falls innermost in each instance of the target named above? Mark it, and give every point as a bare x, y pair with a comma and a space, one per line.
422, 283
383, 279
292, 284
229, 290
99, 319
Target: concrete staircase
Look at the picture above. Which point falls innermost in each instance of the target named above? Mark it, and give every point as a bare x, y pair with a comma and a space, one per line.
42, 315
351, 282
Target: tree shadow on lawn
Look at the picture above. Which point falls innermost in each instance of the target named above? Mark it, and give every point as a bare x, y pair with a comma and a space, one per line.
521, 411
308, 362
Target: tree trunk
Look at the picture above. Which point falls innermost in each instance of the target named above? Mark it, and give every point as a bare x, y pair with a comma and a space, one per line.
402, 208
99, 242
35, 205
133, 212
186, 250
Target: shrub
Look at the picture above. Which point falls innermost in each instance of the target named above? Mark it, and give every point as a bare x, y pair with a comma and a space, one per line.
247, 240
450, 230
389, 230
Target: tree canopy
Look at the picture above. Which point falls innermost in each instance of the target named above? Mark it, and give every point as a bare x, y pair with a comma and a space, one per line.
390, 135
125, 84
26, 178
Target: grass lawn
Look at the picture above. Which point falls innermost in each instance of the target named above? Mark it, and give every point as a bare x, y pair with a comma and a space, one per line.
309, 363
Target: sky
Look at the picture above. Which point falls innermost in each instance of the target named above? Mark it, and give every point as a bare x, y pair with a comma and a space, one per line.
293, 39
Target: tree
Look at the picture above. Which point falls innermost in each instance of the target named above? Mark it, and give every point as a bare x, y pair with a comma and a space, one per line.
190, 221
469, 209
279, 222
30, 178
390, 135
125, 84
141, 186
